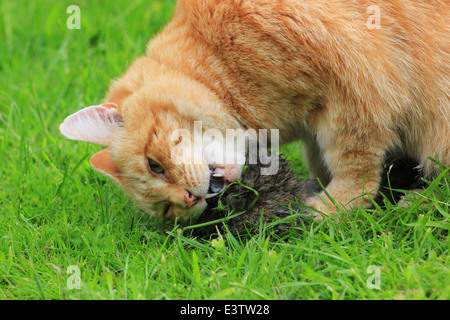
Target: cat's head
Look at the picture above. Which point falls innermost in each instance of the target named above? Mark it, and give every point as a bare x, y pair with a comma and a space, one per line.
152, 152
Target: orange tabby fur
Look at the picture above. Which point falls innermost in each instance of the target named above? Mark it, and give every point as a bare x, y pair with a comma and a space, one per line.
312, 69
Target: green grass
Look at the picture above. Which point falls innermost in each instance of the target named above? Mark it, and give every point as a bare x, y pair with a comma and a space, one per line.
56, 212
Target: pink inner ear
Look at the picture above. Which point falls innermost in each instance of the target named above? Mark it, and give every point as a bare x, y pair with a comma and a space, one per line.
103, 162
95, 124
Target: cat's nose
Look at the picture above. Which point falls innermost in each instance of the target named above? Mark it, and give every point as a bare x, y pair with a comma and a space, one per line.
190, 199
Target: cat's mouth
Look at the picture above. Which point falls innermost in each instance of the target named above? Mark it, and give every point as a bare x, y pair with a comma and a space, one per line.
217, 183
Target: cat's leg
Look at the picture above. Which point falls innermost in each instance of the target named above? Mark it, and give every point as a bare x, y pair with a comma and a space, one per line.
315, 161
353, 152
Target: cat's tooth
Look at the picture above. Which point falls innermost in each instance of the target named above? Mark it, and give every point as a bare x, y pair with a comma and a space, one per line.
215, 189
218, 175
210, 195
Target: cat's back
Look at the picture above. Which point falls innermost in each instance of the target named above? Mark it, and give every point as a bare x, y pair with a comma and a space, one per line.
294, 54
322, 37
391, 49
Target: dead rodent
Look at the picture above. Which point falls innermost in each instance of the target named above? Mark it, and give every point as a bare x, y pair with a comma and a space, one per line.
275, 197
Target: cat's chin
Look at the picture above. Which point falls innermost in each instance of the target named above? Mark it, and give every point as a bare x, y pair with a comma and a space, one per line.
173, 212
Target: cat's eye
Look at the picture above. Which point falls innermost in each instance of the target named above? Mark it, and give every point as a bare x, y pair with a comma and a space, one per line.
155, 167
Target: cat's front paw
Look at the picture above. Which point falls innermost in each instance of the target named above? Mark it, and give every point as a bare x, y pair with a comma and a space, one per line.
321, 208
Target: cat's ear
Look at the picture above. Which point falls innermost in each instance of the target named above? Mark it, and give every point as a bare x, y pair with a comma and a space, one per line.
103, 162
96, 124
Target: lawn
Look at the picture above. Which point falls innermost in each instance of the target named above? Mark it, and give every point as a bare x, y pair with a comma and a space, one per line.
68, 233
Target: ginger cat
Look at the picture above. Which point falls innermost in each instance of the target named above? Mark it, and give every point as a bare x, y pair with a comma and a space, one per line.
315, 70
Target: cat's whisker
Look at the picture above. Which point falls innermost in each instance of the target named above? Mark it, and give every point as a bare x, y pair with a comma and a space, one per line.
181, 180
130, 183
